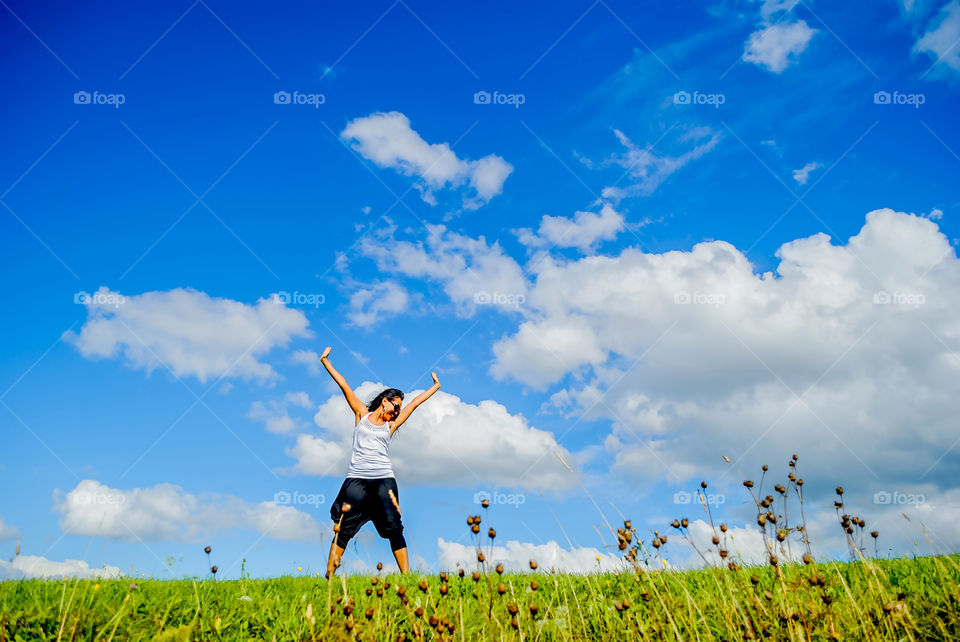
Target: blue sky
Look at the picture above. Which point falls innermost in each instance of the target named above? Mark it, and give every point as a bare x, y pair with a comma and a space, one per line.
192, 162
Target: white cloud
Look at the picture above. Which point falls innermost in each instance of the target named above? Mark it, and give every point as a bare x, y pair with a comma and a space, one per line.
375, 301
388, 140
686, 382
776, 46
465, 267
649, 169
942, 43
446, 442
275, 413
584, 231
516, 556
802, 175
35, 566
188, 331
307, 358
8, 532
166, 512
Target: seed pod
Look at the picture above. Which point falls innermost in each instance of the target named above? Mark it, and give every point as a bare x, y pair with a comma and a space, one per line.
703, 484
379, 566
675, 523
534, 609
213, 569
874, 534
765, 468
369, 591
839, 490
748, 484
626, 524
534, 586
419, 611
369, 612
501, 589
513, 608
807, 558
773, 560
443, 577
401, 590
485, 503
460, 572
422, 585
514, 623
480, 557
207, 549
374, 580
716, 540
684, 522
723, 528
533, 564
475, 528
499, 569
492, 533
476, 576
754, 580
443, 589
434, 621
470, 520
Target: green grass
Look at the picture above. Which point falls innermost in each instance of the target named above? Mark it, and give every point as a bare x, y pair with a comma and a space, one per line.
894, 599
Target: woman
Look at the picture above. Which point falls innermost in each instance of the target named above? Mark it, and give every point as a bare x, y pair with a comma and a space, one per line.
370, 492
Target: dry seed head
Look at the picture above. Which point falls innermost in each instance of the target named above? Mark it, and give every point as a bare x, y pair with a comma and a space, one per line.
501, 589
765, 468
443, 589
369, 612
460, 572
206, 549
422, 585
213, 569
754, 579
534, 586
807, 558
379, 566
499, 569
369, 591
874, 534
723, 553
476, 576
795, 457
534, 609
419, 611
533, 564
675, 523
839, 490
773, 560
485, 503
514, 623
684, 522
475, 528
716, 540
492, 533
703, 484
748, 484
513, 608
480, 557
723, 528
470, 520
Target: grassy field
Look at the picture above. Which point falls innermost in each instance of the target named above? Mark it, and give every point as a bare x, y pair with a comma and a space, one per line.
897, 599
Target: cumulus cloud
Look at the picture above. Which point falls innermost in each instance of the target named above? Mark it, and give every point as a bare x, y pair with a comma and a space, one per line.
376, 301
465, 267
446, 442
516, 556
584, 231
802, 175
388, 140
188, 331
650, 169
942, 42
692, 355
776, 46
166, 512
275, 413
36, 566
8, 532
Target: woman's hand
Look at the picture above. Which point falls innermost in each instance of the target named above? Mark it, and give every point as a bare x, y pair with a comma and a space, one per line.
436, 381
326, 352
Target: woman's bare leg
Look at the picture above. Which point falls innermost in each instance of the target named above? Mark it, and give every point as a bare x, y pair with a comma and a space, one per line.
401, 555
333, 561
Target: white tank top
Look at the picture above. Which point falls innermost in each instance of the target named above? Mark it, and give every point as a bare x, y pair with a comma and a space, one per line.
369, 458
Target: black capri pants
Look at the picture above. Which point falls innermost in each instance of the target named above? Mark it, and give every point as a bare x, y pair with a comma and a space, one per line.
369, 500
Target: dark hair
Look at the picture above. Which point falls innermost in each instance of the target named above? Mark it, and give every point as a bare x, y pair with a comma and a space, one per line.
389, 393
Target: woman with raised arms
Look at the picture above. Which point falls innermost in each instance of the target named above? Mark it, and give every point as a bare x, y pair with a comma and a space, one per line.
369, 493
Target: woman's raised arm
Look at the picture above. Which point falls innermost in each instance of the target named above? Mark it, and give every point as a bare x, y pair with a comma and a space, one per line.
358, 408
407, 410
